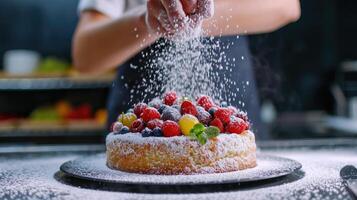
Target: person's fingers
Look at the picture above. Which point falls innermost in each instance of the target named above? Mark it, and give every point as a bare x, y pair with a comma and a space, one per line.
205, 8
174, 11
189, 6
156, 10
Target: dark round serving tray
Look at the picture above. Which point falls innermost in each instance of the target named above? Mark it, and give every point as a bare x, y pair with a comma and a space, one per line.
94, 168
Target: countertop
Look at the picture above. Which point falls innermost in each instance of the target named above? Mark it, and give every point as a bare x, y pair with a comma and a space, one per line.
33, 173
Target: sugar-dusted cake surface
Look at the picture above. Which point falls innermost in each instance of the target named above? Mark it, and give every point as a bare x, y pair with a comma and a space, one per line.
180, 155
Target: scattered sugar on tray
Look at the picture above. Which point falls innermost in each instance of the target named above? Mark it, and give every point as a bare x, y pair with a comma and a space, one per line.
33, 179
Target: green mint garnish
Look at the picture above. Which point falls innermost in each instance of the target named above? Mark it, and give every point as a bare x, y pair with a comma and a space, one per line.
200, 133
212, 131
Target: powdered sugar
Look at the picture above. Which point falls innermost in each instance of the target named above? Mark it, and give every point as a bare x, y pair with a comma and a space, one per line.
32, 178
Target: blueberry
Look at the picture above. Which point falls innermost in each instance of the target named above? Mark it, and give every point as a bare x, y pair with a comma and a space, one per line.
124, 130
157, 132
171, 114
162, 108
177, 107
155, 103
212, 111
224, 104
130, 111
146, 132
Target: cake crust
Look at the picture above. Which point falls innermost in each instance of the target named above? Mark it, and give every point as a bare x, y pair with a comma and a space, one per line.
179, 155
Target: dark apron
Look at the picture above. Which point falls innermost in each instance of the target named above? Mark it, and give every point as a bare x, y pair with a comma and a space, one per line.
120, 99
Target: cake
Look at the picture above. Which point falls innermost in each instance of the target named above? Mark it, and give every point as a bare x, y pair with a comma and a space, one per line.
176, 135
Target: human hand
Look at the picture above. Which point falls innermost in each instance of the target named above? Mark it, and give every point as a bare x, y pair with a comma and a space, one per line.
169, 17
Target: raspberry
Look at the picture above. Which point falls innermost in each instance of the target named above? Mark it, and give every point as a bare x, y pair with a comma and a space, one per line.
139, 108
170, 129
242, 115
154, 123
217, 123
223, 114
149, 114
170, 98
236, 125
187, 107
171, 114
203, 116
232, 109
205, 101
137, 126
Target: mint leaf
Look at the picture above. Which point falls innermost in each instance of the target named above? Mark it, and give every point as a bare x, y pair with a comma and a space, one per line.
192, 135
197, 129
202, 138
212, 132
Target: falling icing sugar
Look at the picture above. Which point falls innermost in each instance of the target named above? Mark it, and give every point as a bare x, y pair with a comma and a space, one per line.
190, 65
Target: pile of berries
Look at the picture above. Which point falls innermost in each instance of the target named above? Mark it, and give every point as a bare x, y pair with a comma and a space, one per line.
175, 116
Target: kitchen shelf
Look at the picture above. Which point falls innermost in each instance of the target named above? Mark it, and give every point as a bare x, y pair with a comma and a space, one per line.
50, 129
54, 82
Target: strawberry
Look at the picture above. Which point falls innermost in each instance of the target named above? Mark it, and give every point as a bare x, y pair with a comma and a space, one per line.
137, 126
217, 123
236, 125
170, 98
139, 108
223, 114
205, 101
187, 107
154, 123
170, 129
149, 114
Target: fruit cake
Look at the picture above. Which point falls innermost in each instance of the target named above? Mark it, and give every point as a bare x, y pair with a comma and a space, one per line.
176, 135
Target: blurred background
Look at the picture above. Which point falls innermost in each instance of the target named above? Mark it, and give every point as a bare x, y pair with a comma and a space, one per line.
306, 73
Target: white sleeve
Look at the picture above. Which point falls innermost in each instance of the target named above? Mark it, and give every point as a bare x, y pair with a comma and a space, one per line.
111, 8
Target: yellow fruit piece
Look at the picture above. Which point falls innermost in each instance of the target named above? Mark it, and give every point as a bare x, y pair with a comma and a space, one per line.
127, 119
186, 123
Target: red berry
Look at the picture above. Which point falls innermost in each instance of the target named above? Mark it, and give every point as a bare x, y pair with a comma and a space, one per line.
242, 115
139, 108
137, 126
154, 123
187, 107
217, 123
170, 129
223, 114
170, 98
236, 125
205, 101
232, 109
149, 114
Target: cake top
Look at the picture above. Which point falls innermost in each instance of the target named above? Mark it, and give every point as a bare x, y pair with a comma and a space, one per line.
201, 119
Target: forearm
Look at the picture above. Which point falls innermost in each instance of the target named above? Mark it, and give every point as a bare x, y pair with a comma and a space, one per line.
251, 16
105, 43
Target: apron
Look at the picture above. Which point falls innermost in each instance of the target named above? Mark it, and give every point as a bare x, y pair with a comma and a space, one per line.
128, 77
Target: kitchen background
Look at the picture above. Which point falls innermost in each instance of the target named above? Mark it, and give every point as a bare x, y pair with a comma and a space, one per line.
306, 74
